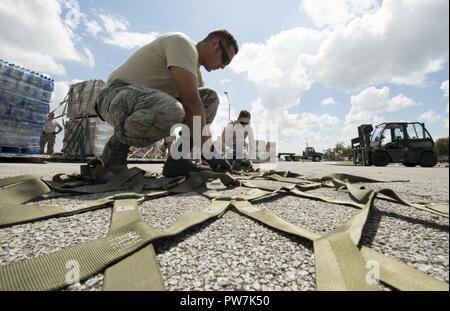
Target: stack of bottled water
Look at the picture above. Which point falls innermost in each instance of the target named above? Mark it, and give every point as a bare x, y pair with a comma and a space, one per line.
103, 132
24, 106
83, 123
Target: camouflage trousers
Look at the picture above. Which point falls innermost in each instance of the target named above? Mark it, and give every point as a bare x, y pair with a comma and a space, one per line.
142, 116
49, 140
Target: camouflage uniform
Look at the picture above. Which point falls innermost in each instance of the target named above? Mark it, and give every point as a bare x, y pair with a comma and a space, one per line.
49, 139
141, 116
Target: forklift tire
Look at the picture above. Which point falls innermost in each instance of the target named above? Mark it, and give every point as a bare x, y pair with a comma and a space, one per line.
428, 159
381, 158
409, 164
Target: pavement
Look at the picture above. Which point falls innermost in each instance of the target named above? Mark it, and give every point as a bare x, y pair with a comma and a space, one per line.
236, 253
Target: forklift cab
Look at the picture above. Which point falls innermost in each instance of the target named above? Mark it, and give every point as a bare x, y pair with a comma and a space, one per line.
395, 142
401, 135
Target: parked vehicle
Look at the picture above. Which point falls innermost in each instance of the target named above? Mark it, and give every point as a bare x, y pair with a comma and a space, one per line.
308, 154
395, 142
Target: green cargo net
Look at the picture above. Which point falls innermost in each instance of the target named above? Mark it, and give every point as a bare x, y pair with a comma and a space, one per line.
126, 255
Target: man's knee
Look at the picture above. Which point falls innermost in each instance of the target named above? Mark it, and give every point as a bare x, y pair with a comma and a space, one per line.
116, 103
147, 126
211, 103
208, 95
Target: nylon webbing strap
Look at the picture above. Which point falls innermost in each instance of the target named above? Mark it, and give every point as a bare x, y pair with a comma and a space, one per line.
400, 275
139, 271
267, 187
190, 219
340, 265
354, 179
118, 182
438, 209
272, 220
24, 191
255, 194
441, 210
324, 199
73, 264
13, 214
93, 257
292, 180
12, 180
292, 190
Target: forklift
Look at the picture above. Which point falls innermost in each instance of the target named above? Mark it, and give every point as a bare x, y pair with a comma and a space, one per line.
408, 143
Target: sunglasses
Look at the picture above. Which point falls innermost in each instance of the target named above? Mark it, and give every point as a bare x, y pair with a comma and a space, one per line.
244, 123
225, 58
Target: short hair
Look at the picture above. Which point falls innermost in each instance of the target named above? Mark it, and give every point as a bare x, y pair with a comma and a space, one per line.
244, 114
226, 36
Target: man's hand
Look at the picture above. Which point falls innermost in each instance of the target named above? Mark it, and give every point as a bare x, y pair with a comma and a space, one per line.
216, 163
219, 165
187, 87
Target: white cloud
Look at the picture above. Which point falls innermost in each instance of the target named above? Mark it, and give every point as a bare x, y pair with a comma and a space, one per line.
33, 34
130, 40
369, 49
114, 23
301, 128
429, 117
369, 103
59, 93
444, 88
274, 63
398, 41
325, 13
225, 81
73, 16
93, 28
117, 35
328, 102
89, 59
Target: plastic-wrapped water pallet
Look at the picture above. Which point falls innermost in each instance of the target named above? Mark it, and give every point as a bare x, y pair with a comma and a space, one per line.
85, 137
24, 97
81, 99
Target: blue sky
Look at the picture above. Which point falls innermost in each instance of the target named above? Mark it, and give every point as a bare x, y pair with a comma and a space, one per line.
314, 68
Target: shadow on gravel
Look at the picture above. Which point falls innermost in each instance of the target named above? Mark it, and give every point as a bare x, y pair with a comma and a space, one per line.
426, 223
371, 228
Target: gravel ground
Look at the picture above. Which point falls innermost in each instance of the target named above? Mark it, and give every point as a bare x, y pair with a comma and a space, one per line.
236, 253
